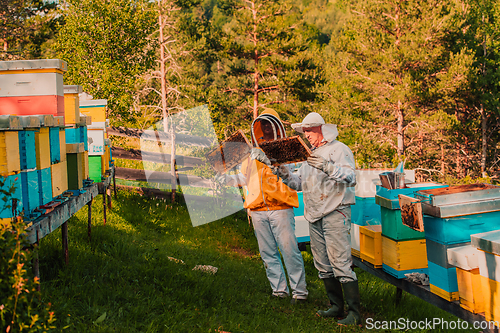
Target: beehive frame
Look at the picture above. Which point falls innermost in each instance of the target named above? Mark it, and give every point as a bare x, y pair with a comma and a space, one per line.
229, 154
286, 150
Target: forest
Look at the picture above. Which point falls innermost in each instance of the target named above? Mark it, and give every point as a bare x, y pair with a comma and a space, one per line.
413, 80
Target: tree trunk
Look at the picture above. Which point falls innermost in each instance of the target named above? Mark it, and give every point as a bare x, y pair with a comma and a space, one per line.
443, 164
172, 161
400, 135
256, 69
484, 141
165, 113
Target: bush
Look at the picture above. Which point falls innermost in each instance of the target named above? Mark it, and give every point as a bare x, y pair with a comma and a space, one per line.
20, 306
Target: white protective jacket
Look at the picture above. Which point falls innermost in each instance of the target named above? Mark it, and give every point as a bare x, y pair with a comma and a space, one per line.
323, 193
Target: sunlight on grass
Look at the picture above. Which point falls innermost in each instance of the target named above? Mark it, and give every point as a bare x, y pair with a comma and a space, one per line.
138, 269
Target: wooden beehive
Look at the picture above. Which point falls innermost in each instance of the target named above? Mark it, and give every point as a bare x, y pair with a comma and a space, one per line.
230, 153
286, 150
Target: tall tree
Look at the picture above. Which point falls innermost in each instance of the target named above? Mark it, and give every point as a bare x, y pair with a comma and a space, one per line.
265, 60
480, 33
107, 47
25, 25
395, 54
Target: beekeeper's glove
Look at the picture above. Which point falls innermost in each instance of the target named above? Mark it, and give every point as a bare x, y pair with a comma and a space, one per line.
259, 155
321, 163
281, 171
221, 178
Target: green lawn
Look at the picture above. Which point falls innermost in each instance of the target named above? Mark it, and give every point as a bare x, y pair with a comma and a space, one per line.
130, 278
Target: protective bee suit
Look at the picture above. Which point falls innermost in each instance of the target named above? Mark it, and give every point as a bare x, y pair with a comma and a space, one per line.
270, 203
327, 182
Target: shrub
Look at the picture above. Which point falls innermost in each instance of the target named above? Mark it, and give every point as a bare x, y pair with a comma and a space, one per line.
20, 306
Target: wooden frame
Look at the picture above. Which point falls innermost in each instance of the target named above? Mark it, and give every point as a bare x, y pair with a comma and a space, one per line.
229, 154
286, 150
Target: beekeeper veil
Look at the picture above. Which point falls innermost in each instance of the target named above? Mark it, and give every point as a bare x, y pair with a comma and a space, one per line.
314, 119
267, 127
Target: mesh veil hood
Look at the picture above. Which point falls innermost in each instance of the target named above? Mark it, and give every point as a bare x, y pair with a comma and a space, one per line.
272, 117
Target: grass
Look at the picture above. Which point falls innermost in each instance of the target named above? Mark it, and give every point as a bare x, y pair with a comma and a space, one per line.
130, 278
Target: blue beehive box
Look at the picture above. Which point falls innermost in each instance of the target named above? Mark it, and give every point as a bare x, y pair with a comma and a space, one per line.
55, 147
454, 230
392, 224
45, 186
84, 137
299, 211
31, 192
365, 211
13, 183
443, 278
77, 135
27, 150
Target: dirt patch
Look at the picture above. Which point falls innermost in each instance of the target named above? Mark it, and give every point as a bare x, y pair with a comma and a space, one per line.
242, 252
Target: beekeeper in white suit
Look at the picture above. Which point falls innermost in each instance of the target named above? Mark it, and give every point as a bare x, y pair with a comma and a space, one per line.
327, 182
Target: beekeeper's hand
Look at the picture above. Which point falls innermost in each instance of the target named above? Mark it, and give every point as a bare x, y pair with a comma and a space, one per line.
281, 171
321, 163
259, 155
221, 178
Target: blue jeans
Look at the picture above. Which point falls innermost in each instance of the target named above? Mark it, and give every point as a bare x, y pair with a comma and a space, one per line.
331, 245
276, 229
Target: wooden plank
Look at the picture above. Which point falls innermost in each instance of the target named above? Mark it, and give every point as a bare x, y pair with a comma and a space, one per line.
161, 194
138, 155
183, 139
422, 292
50, 222
160, 177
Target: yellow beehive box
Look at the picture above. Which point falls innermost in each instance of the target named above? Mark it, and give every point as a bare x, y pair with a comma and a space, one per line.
9, 152
470, 290
85, 166
95, 108
491, 293
449, 296
371, 244
404, 255
105, 160
62, 144
42, 147
72, 104
59, 173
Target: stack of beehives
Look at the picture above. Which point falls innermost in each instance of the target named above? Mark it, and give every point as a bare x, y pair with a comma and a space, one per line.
33, 144
100, 159
478, 274
403, 249
451, 216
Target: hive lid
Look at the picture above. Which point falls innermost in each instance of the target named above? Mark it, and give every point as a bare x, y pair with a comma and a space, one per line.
72, 89
10, 122
487, 241
29, 121
460, 200
94, 103
16, 65
464, 257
